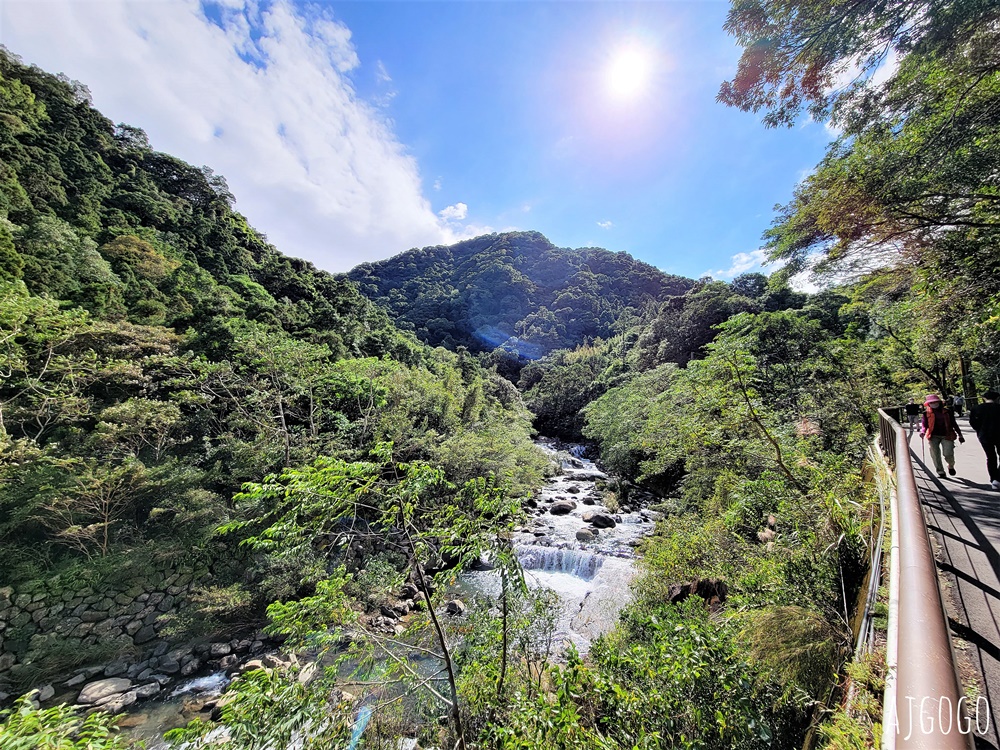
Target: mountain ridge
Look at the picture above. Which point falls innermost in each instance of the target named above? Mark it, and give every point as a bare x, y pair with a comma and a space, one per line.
512, 290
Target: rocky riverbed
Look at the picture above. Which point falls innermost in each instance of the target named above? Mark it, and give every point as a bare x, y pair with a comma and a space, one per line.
578, 546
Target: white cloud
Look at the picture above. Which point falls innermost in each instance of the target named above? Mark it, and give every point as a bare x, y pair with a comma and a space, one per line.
456, 212
263, 95
437, 184
803, 282
743, 262
605, 224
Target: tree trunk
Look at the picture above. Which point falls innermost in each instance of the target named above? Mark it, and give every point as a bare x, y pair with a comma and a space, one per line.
456, 716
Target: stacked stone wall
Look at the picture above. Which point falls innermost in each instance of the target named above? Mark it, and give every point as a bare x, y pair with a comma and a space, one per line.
41, 618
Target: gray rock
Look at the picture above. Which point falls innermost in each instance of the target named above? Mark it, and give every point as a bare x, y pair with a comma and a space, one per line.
308, 673
602, 521
190, 666
586, 535
162, 679
95, 692
115, 704
75, 680
217, 650
251, 665
562, 507
229, 663
387, 611
455, 607
169, 665
45, 692
116, 668
144, 634
148, 690
274, 661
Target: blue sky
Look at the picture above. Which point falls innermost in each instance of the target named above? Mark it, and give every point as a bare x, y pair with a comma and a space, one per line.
354, 131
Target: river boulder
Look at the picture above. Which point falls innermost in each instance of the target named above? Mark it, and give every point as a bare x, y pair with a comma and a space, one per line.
101, 689
600, 520
586, 535
562, 508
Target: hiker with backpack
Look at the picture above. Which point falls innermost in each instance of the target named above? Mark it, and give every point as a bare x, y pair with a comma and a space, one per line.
940, 428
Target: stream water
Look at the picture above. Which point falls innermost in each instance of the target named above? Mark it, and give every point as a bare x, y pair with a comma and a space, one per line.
152, 718
590, 577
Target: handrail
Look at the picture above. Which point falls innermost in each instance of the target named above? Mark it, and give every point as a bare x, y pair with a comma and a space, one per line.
929, 707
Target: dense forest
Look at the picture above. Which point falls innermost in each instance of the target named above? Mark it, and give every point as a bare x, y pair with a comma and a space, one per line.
514, 291
175, 388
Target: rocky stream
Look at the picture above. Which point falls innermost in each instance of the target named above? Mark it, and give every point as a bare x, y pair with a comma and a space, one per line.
573, 543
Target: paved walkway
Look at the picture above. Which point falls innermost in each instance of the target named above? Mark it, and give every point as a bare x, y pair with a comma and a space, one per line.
964, 513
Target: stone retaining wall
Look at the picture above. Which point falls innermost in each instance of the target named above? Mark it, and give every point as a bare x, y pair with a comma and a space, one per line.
38, 617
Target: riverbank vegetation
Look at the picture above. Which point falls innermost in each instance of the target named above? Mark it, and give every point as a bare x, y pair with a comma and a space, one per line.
174, 388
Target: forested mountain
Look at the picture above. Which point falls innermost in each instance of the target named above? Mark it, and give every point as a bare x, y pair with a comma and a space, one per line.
515, 290
95, 217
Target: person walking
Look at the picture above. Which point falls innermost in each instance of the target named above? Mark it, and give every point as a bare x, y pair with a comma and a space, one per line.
984, 418
912, 410
940, 428
959, 401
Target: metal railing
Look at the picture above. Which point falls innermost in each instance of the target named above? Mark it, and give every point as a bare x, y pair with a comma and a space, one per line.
927, 709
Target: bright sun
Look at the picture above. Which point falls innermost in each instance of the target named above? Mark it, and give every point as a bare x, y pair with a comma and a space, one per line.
628, 72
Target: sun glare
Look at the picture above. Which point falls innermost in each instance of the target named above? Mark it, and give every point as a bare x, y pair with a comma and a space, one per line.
628, 72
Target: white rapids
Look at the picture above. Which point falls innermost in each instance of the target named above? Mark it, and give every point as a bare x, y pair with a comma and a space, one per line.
592, 579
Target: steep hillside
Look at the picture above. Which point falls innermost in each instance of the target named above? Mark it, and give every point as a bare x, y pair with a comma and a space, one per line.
515, 290
155, 354
91, 214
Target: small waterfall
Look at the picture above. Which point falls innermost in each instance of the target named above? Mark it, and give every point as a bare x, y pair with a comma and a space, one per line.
211, 684
576, 563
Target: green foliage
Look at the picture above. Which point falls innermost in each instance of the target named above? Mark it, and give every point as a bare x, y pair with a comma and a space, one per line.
265, 709
668, 677
908, 193
616, 421
25, 727
513, 290
558, 387
857, 723
794, 51
156, 353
